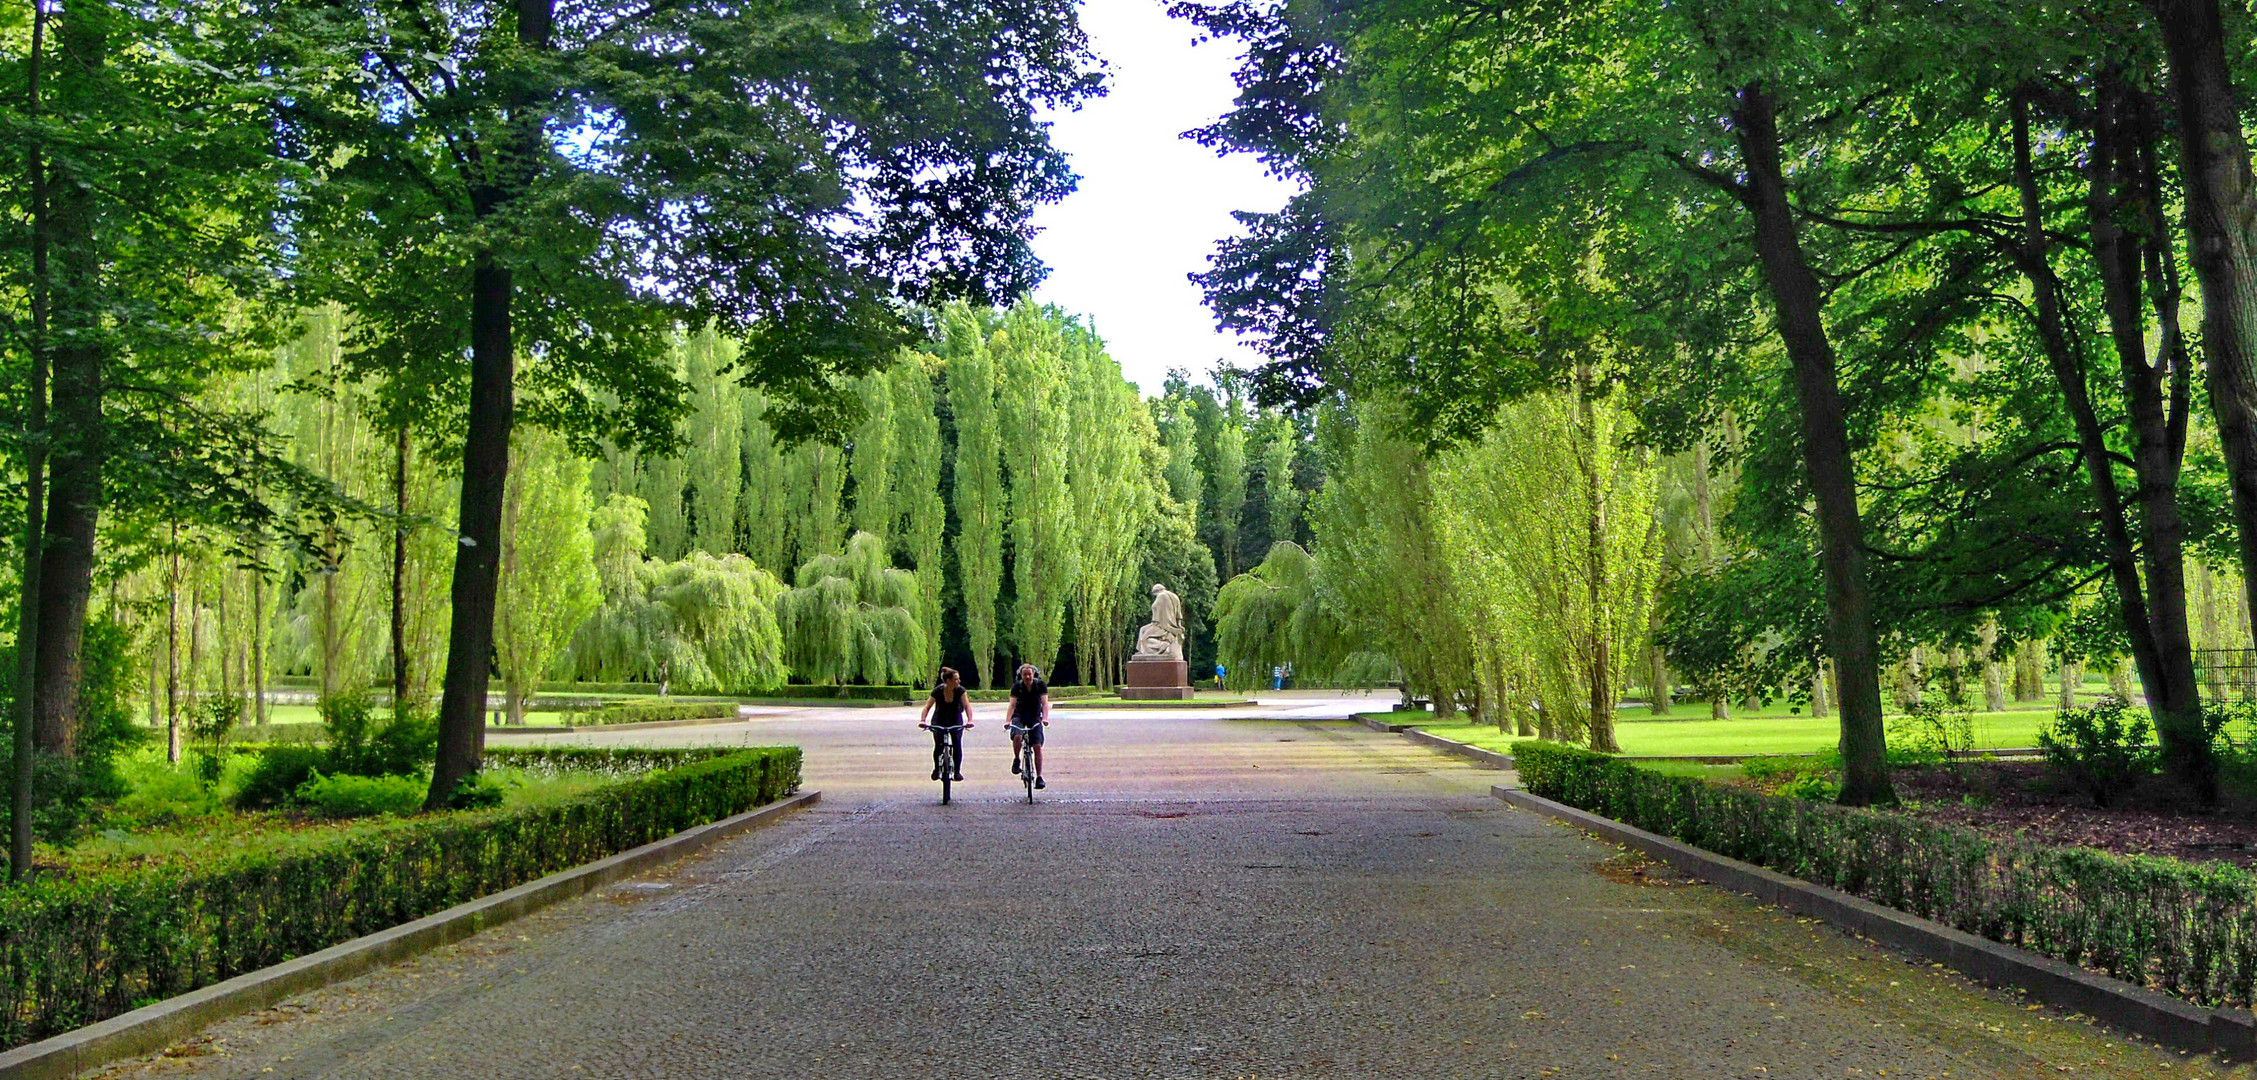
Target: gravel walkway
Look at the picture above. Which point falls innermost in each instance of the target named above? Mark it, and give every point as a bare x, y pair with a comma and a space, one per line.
1192, 897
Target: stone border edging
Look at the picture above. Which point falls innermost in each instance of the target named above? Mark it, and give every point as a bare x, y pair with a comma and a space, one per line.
640, 725
2229, 1033
1487, 759
154, 1027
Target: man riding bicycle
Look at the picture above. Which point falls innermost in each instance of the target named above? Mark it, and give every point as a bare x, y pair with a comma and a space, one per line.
949, 712
1030, 713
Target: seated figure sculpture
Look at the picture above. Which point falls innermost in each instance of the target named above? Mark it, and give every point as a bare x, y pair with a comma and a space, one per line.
1162, 638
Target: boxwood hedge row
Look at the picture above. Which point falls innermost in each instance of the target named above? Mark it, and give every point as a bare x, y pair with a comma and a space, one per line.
2186, 929
644, 712
76, 951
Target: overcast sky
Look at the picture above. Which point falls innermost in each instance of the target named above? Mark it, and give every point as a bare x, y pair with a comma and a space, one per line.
1151, 204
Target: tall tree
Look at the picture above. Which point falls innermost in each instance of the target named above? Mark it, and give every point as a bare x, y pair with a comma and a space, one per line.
840, 156
548, 583
1034, 419
979, 495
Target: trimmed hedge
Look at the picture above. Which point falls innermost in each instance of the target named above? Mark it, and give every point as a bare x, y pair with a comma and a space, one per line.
2185, 929
80, 951
843, 693
645, 712
609, 760
1056, 693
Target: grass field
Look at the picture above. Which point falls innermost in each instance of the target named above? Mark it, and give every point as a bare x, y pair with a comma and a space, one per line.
1758, 735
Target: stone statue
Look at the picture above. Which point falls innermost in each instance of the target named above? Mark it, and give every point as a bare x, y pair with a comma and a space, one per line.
1162, 638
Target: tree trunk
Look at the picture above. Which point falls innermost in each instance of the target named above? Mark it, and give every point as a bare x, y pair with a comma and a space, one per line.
1822, 689
400, 700
2072, 677
2029, 671
1797, 304
172, 653
23, 709
79, 435
1596, 570
2221, 210
1657, 677
485, 474
258, 639
1994, 672
2152, 611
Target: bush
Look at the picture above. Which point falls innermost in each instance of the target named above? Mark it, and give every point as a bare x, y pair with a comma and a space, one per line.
402, 745
1930, 731
608, 760
2186, 929
66, 791
476, 792
642, 712
2103, 750
845, 693
276, 776
344, 795
87, 949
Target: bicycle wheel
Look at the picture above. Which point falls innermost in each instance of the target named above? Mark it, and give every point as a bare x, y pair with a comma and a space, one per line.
1026, 768
947, 772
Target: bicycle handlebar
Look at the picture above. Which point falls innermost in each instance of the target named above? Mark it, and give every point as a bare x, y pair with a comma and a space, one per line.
957, 727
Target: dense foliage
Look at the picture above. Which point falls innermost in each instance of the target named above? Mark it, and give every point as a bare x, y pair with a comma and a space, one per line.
2186, 929
93, 947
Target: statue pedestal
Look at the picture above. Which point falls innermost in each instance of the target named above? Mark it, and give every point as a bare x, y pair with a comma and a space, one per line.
1157, 680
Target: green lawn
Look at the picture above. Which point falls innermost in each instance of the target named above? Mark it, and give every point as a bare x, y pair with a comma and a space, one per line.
1761, 735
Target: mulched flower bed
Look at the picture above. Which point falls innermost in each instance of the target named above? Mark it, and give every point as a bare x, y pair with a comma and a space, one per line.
2017, 798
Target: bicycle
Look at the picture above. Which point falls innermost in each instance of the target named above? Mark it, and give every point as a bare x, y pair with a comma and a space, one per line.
1023, 734
944, 756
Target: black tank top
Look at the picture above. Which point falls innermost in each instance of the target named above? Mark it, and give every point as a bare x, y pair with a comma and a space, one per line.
947, 713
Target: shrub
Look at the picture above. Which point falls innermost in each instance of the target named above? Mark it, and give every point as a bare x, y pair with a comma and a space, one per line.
645, 712
277, 775
87, 949
2186, 929
1929, 731
66, 790
345, 795
402, 745
209, 724
476, 792
608, 760
2103, 749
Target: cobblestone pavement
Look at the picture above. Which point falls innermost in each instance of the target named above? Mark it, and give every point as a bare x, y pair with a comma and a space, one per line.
1191, 898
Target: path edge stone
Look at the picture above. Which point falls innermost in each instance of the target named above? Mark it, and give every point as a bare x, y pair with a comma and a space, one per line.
1487, 759
154, 1027
2229, 1033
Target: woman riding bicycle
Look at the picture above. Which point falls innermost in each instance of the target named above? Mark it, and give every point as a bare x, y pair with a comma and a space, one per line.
947, 713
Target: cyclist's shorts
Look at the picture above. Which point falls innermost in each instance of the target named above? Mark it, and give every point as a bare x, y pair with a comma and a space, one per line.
1032, 733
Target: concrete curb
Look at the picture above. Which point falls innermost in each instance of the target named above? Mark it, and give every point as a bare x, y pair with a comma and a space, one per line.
1381, 725
2230, 1033
559, 729
1487, 759
157, 1026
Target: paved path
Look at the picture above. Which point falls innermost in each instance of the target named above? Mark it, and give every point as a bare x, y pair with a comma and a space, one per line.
1193, 897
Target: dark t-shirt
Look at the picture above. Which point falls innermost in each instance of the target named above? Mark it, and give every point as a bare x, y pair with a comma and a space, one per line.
947, 713
1026, 701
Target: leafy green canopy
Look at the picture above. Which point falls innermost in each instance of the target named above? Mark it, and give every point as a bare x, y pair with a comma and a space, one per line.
783, 170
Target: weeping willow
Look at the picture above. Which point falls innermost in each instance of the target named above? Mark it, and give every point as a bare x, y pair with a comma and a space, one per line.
853, 618
702, 623
1275, 615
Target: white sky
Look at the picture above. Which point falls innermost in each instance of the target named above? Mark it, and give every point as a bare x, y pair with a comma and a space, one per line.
1151, 204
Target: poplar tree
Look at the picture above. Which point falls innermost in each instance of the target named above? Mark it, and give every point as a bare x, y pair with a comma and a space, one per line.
921, 518
978, 488
873, 454
712, 451
548, 579
1033, 402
